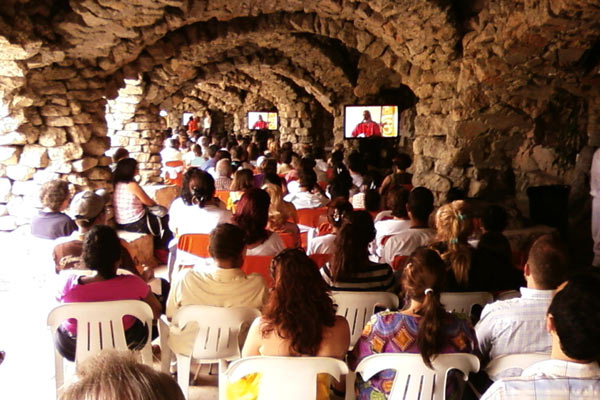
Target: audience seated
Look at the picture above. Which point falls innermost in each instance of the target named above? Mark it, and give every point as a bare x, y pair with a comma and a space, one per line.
338, 210
102, 253
423, 327
310, 195
89, 210
198, 160
454, 226
356, 167
171, 152
518, 325
350, 267
211, 160
283, 217
197, 210
399, 176
573, 321
129, 200
243, 179
494, 250
420, 205
395, 201
252, 215
115, 375
50, 222
293, 326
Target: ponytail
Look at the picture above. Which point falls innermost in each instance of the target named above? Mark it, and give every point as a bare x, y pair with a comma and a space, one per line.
458, 257
351, 245
430, 338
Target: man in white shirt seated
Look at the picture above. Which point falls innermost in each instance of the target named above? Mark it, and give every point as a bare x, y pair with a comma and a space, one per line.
420, 205
573, 321
518, 325
171, 153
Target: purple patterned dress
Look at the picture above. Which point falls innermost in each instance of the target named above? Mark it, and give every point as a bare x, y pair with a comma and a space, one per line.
393, 332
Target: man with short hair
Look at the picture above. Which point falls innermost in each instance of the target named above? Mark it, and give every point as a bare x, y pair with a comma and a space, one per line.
211, 152
51, 222
573, 323
222, 285
518, 325
419, 206
223, 172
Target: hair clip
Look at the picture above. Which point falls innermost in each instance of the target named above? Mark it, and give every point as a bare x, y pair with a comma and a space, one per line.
336, 215
461, 216
428, 291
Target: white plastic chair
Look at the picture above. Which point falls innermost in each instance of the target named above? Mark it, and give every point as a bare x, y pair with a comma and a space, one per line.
414, 380
463, 302
99, 327
217, 337
358, 307
290, 378
519, 362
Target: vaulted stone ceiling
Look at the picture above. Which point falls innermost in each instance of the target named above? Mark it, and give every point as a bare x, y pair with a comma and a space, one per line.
488, 76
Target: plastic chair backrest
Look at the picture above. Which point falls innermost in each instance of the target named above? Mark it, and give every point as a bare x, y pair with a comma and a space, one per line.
260, 265
463, 302
195, 243
292, 378
179, 179
358, 307
289, 241
99, 327
320, 259
223, 195
414, 380
219, 328
518, 361
310, 216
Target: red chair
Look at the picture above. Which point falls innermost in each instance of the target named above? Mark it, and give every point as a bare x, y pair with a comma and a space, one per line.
320, 259
310, 216
223, 195
288, 239
399, 263
304, 240
261, 265
177, 167
195, 243
519, 258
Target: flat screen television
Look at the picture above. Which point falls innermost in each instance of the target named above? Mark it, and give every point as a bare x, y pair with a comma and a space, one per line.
362, 121
185, 118
259, 120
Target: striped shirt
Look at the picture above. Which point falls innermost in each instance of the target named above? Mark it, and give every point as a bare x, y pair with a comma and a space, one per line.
515, 326
372, 278
128, 208
549, 380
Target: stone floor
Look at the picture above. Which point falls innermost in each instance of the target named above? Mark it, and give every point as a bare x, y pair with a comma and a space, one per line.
27, 292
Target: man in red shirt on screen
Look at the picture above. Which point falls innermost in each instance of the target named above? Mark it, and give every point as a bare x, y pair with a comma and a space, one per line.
260, 124
367, 127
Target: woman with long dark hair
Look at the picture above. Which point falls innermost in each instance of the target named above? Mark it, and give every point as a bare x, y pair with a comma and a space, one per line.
338, 211
252, 215
102, 253
350, 267
422, 327
130, 202
197, 210
299, 318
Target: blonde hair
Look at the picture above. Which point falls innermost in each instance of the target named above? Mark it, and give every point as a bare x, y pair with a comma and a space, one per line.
454, 225
115, 375
279, 210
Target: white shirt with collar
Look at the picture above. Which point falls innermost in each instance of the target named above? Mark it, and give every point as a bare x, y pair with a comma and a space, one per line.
550, 380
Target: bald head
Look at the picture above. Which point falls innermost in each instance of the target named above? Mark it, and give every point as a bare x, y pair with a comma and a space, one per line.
223, 167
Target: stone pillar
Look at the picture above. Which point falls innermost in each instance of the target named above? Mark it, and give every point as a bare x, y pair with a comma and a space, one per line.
136, 127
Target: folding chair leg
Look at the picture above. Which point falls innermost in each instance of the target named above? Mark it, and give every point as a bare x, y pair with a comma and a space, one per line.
183, 373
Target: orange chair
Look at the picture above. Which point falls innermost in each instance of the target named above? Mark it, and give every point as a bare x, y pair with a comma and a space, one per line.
288, 239
195, 243
519, 258
223, 195
399, 263
176, 167
320, 259
304, 240
261, 265
310, 216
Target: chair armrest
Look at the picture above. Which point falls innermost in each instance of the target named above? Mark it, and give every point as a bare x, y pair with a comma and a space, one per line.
163, 331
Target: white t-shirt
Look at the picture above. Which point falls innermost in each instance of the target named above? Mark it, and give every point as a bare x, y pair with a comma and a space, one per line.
405, 242
270, 247
185, 219
306, 200
390, 227
321, 245
170, 154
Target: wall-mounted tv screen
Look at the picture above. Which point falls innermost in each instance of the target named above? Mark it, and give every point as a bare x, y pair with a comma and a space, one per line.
186, 118
263, 120
369, 121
